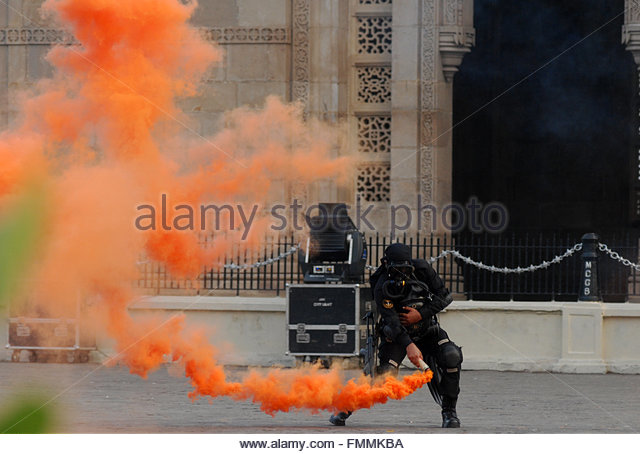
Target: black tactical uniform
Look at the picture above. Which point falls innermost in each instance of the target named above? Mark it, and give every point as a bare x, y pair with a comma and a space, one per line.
404, 282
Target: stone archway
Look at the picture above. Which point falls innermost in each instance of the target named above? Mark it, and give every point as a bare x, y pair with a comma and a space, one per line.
631, 39
555, 147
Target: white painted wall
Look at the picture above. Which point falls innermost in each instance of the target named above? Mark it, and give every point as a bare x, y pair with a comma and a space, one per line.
534, 336
245, 330
506, 335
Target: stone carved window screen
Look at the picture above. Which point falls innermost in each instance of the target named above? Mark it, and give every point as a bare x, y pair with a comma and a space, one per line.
374, 84
371, 44
373, 182
374, 133
374, 35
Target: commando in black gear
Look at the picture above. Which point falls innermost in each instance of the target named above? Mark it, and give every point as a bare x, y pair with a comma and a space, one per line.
407, 279
399, 282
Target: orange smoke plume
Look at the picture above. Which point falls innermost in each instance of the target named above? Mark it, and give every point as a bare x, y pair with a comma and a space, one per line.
106, 134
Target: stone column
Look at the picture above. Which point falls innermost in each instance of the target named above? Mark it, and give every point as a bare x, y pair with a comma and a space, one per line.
405, 113
371, 61
300, 54
327, 60
328, 27
447, 34
17, 56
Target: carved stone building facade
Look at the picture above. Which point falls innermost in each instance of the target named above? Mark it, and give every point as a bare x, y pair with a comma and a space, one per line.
384, 68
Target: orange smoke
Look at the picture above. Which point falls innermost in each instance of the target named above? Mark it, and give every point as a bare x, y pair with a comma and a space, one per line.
145, 347
107, 135
284, 390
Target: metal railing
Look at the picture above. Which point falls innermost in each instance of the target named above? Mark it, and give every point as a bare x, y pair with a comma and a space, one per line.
559, 282
267, 269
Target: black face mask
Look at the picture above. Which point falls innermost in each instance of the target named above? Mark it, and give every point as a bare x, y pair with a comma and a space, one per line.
397, 284
400, 271
395, 289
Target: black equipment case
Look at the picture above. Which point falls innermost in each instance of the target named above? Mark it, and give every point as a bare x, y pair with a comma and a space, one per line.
50, 337
325, 319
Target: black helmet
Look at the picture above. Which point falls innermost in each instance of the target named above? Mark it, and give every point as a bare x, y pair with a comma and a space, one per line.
398, 253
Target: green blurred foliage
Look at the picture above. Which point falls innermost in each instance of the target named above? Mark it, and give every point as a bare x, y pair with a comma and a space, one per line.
28, 415
21, 228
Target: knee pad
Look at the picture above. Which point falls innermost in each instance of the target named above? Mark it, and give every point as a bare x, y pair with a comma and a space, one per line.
450, 356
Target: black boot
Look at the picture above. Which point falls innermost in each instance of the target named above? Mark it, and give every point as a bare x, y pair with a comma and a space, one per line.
340, 418
449, 416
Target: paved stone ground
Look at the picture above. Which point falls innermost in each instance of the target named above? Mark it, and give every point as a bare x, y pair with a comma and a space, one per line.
110, 400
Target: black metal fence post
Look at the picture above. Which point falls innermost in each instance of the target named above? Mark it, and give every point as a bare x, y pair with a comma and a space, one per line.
589, 290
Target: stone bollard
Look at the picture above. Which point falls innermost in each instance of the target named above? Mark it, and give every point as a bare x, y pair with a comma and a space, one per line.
589, 290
